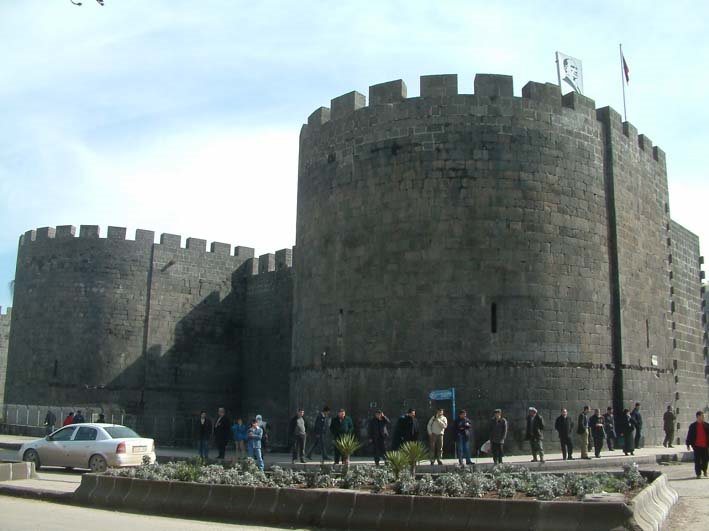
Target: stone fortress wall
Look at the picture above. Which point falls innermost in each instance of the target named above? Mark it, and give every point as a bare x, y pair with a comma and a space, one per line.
513, 248
519, 249
137, 326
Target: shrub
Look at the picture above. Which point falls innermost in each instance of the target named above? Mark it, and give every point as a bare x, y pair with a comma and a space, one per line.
347, 445
356, 477
476, 485
414, 452
450, 485
632, 476
396, 462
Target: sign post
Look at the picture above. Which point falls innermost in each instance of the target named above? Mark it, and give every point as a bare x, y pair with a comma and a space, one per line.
444, 394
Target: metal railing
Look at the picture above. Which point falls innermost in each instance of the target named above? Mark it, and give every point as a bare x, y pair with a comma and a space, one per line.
166, 430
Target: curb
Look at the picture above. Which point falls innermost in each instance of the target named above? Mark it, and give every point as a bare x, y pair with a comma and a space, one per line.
342, 509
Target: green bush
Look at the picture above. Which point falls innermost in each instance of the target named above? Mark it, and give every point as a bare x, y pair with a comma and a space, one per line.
414, 452
396, 461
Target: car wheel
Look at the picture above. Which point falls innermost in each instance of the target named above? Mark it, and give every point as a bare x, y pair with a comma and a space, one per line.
33, 457
97, 463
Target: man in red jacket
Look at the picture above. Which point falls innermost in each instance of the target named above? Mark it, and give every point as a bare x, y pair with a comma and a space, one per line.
697, 437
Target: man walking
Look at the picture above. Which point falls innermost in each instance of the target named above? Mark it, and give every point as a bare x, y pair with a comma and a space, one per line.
50, 420
378, 432
535, 434
668, 424
563, 426
638, 418
598, 432
464, 436
297, 432
340, 425
205, 432
609, 426
319, 434
697, 437
498, 434
436, 428
582, 432
222, 432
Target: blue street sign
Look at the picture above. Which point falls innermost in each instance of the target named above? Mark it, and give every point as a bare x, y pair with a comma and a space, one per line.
441, 394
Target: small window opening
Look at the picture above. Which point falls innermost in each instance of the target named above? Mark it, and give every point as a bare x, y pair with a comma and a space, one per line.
340, 323
647, 333
56, 368
493, 318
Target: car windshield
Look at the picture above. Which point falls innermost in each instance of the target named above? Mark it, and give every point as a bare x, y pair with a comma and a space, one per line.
121, 432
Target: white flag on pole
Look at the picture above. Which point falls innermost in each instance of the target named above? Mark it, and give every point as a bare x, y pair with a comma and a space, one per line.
570, 72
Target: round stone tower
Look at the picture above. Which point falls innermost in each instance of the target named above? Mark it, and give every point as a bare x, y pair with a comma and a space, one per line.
77, 333
452, 241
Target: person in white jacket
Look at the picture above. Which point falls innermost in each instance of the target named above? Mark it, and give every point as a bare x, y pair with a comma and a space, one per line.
436, 428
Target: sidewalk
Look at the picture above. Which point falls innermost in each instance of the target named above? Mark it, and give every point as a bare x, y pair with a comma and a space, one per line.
615, 459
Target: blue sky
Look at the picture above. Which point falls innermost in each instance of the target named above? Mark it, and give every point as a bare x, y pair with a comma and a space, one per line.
183, 116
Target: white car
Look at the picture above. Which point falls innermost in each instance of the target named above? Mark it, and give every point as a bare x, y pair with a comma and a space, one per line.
87, 445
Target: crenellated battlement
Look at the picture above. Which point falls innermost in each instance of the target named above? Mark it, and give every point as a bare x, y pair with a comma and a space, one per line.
269, 262
385, 100
142, 237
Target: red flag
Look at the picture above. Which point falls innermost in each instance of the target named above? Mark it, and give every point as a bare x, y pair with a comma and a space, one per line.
626, 70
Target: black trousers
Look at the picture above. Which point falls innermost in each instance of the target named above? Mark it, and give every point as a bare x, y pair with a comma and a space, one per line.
598, 445
497, 452
669, 436
567, 448
628, 443
298, 447
221, 448
379, 446
701, 457
638, 434
318, 442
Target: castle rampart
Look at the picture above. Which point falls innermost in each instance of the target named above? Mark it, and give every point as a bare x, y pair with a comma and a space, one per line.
517, 248
141, 326
497, 244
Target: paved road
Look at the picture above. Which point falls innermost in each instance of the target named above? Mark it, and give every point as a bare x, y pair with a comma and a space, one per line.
25, 515
692, 510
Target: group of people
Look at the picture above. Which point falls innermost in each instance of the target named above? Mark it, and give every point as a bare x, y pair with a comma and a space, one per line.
590, 432
50, 420
248, 440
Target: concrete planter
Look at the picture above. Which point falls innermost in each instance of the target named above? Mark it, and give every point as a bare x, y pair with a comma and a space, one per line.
343, 509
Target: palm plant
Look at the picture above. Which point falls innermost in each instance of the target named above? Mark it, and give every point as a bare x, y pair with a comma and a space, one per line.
396, 461
347, 444
414, 452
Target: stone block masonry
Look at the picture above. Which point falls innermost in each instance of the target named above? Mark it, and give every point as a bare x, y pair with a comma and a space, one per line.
519, 249
136, 326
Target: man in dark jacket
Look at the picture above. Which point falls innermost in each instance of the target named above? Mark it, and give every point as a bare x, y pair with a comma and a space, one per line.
638, 418
340, 425
583, 432
535, 434
79, 417
498, 434
598, 432
626, 428
205, 432
49, 421
318, 434
297, 433
668, 424
609, 426
408, 427
697, 438
378, 432
222, 432
563, 426
464, 436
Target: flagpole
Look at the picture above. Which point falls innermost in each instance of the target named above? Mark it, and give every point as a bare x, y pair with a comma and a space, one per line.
622, 82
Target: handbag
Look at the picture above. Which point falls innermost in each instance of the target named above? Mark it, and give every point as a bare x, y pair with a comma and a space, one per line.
486, 447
